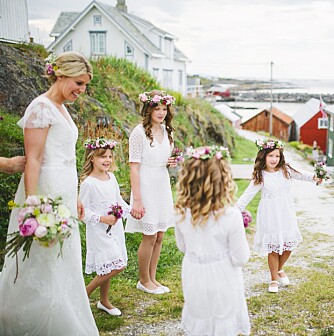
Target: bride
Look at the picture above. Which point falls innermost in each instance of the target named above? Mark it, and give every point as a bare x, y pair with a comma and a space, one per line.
49, 296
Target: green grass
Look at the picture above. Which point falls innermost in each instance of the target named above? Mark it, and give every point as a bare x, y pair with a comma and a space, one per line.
244, 152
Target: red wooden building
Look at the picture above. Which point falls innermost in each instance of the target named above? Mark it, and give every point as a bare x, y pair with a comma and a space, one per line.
311, 124
283, 126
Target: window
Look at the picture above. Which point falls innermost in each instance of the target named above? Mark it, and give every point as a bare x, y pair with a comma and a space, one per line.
331, 122
128, 50
97, 20
330, 148
155, 73
68, 46
322, 123
98, 43
168, 78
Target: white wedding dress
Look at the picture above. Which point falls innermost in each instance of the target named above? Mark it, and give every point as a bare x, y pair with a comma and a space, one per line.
49, 296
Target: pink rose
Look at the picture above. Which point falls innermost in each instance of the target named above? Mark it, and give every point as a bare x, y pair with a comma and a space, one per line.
219, 155
33, 200
41, 231
143, 98
156, 99
46, 208
28, 227
23, 212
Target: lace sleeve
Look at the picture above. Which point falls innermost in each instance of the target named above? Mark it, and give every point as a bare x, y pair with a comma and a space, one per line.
248, 195
125, 206
38, 115
180, 243
136, 145
91, 218
301, 175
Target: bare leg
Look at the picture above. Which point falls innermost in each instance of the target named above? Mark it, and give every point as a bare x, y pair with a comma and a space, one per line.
145, 253
155, 258
273, 265
99, 280
281, 261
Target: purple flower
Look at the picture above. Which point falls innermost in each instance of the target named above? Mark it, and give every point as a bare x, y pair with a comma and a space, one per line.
28, 227
1, 117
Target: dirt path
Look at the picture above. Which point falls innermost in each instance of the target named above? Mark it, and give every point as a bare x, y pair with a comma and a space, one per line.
315, 212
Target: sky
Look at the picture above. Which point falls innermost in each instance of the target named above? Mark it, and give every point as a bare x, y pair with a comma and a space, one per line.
228, 38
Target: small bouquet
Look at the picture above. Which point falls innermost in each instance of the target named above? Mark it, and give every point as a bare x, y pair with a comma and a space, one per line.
177, 154
247, 217
117, 211
321, 171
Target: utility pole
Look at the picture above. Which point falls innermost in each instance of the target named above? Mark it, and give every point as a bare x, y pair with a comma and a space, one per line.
271, 100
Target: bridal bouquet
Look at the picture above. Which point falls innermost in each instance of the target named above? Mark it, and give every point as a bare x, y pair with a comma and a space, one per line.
117, 211
247, 217
321, 171
177, 154
41, 219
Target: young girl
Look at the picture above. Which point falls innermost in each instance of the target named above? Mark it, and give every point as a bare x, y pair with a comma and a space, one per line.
277, 232
150, 147
99, 190
210, 232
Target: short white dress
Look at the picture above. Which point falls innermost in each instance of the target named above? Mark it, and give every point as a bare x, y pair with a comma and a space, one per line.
105, 251
155, 185
276, 223
212, 280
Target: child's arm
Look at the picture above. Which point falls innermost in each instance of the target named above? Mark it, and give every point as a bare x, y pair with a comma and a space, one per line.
302, 175
238, 245
125, 206
248, 195
179, 239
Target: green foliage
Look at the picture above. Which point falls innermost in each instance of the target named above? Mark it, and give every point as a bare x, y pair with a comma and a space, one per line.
245, 151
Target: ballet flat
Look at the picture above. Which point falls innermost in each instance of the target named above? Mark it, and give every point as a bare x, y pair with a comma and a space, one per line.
284, 281
158, 290
165, 289
113, 311
273, 289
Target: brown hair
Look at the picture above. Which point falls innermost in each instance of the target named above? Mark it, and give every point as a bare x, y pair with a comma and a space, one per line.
260, 164
205, 186
146, 112
88, 164
70, 64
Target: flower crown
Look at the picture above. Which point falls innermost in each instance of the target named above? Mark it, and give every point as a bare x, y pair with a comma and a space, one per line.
269, 144
208, 152
157, 99
50, 64
99, 143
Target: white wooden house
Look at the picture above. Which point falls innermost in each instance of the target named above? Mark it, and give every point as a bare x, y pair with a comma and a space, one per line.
14, 25
101, 30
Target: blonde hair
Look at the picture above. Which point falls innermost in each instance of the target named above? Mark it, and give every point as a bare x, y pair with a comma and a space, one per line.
88, 164
70, 64
146, 112
205, 187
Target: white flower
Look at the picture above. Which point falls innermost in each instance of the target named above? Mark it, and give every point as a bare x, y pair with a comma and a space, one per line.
41, 231
46, 219
33, 200
63, 211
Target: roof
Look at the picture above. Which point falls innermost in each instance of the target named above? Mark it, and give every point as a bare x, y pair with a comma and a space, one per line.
329, 109
227, 112
307, 111
219, 87
124, 21
276, 112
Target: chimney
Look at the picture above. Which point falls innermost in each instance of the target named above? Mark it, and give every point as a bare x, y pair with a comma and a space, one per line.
121, 6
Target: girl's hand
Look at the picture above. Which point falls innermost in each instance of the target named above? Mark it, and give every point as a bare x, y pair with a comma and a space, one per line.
80, 209
138, 210
171, 162
109, 220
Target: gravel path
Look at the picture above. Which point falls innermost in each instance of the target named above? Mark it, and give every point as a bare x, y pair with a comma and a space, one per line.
314, 206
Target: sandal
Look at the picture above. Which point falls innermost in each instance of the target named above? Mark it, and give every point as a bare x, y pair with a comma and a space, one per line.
273, 289
284, 281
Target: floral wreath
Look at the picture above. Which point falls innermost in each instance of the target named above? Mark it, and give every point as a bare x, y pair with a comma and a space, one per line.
157, 99
50, 64
100, 143
269, 144
207, 152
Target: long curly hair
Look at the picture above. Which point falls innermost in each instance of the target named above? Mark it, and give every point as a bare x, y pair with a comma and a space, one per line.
146, 112
88, 164
260, 165
205, 187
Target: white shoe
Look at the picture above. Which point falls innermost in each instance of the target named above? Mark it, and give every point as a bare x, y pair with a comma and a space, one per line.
273, 289
158, 290
165, 289
113, 311
284, 281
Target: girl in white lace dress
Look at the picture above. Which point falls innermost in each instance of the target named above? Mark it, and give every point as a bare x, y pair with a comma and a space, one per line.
99, 190
210, 233
49, 296
277, 233
150, 147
